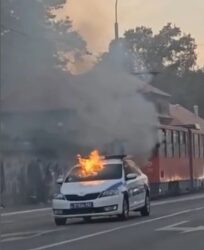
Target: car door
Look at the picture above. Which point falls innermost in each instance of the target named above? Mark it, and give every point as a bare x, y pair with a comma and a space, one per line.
132, 186
140, 185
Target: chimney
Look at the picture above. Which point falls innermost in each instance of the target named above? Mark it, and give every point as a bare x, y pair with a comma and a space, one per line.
196, 110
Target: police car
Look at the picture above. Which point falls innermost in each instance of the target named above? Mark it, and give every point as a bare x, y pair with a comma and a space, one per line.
120, 187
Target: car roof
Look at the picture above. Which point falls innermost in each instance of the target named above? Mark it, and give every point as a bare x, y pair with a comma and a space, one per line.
113, 161
105, 161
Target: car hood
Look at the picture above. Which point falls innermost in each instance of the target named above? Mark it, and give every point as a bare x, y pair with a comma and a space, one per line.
89, 186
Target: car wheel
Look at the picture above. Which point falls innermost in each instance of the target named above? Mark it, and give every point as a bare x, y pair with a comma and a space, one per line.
145, 211
60, 221
87, 219
125, 213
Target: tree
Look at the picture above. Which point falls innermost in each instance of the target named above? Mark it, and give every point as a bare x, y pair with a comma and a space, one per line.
35, 50
186, 90
173, 55
170, 48
170, 54
33, 43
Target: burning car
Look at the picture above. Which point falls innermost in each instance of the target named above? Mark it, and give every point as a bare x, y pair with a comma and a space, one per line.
102, 186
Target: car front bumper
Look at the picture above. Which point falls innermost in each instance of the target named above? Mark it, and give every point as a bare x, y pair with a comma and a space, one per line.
106, 206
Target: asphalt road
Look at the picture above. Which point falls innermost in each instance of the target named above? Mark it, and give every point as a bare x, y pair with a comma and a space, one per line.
174, 224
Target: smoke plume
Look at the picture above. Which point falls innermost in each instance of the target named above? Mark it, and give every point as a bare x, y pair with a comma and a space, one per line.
92, 19
110, 107
107, 99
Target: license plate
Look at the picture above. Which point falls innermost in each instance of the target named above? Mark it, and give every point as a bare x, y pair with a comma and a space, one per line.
81, 205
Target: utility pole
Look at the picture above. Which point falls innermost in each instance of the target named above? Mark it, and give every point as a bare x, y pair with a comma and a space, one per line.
1, 207
116, 21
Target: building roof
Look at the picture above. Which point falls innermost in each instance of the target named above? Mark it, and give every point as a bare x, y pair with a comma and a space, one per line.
147, 88
183, 116
53, 95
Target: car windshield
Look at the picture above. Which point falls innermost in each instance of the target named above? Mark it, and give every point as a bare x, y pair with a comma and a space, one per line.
109, 172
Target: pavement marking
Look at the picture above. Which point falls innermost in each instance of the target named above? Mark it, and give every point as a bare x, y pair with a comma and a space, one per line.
88, 236
7, 222
28, 235
154, 203
175, 228
18, 234
26, 212
14, 239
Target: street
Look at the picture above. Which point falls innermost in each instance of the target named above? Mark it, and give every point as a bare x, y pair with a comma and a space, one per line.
175, 223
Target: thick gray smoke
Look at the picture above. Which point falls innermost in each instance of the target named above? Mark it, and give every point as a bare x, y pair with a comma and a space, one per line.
107, 101
110, 107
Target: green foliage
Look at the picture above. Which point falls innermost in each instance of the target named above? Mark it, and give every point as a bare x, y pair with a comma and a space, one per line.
170, 48
172, 54
33, 43
186, 90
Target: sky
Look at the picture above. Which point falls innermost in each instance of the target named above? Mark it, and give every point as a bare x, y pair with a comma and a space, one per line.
94, 19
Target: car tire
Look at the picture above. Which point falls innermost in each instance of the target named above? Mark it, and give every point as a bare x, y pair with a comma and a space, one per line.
145, 211
87, 219
60, 221
125, 212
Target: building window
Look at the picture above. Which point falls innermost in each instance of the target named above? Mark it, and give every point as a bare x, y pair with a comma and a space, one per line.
183, 144
176, 143
196, 146
201, 146
169, 142
163, 143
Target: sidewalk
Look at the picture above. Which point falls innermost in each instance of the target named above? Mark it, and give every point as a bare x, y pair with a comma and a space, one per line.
24, 208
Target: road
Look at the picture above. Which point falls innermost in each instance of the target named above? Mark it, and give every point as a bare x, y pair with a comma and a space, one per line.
176, 223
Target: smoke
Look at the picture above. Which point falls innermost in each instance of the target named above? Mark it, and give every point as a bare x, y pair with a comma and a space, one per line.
107, 99
92, 19
110, 107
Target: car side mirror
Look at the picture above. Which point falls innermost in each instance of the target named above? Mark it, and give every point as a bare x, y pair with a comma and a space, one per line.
131, 176
60, 180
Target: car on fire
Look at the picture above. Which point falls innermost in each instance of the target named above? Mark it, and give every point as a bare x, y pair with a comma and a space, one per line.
118, 188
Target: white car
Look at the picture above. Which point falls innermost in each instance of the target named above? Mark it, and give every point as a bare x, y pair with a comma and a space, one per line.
118, 188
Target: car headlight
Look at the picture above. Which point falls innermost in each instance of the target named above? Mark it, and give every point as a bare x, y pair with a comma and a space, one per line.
59, 197
110, 192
